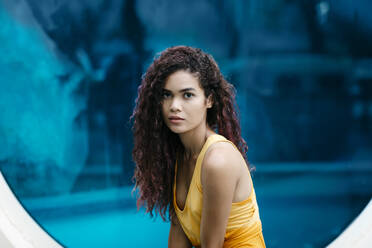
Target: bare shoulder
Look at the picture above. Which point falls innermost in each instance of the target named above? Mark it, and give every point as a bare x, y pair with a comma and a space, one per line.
222, 154
223, 159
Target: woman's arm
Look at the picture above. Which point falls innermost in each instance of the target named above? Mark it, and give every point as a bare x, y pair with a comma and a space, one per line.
177, 237
220, 173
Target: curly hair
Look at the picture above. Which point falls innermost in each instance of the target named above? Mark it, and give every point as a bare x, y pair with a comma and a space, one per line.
155, 145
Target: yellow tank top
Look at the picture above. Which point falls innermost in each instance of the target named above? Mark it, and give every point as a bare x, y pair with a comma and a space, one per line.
244, 227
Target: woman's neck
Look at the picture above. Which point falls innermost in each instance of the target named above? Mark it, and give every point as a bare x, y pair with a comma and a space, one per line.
194, 140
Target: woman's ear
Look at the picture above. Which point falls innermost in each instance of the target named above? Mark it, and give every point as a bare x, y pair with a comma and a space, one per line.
210, 101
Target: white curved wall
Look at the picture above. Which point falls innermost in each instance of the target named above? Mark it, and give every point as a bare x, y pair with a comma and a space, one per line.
358, 234
17, 228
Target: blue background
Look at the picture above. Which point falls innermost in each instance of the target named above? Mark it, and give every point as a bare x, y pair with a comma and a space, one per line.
69, 72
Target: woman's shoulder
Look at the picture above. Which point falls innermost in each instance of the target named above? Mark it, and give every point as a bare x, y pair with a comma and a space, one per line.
223, 157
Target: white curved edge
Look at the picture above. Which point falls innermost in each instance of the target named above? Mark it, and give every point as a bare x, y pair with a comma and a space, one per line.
17, 228
359, 233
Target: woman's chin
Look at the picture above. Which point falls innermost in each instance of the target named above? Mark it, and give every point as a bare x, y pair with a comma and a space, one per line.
177, 130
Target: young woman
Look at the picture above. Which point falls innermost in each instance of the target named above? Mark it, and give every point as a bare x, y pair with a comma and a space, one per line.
190, 156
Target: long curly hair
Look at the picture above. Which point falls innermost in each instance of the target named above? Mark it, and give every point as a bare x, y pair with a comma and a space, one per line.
155, 145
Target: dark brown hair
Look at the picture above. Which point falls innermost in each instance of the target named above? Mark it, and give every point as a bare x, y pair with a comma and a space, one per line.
155, 146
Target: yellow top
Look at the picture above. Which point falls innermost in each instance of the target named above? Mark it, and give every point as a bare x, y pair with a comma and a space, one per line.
244, 227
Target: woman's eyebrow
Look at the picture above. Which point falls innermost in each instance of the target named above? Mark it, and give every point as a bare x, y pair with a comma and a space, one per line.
182, 90
187, 89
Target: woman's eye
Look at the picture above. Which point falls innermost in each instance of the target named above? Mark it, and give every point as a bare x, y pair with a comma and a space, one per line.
188, 95
166, 95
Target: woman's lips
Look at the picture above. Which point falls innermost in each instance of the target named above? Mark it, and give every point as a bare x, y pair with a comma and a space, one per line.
175, 120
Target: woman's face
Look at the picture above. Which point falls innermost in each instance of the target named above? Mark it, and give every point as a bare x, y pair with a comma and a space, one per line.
183, 98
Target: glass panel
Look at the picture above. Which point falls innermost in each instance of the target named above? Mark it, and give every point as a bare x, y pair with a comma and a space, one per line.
69, 73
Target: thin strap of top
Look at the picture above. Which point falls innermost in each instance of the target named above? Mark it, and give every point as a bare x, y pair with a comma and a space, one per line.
196, 178
210, 140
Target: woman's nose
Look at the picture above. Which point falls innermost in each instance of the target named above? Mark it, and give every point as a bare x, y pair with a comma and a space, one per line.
175, 105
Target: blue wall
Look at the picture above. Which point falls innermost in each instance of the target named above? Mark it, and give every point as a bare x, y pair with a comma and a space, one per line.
69, 72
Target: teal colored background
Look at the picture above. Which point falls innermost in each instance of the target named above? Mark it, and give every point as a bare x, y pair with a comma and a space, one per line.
69, 72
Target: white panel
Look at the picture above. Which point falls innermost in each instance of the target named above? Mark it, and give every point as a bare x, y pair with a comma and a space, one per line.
359, 233
17, 228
